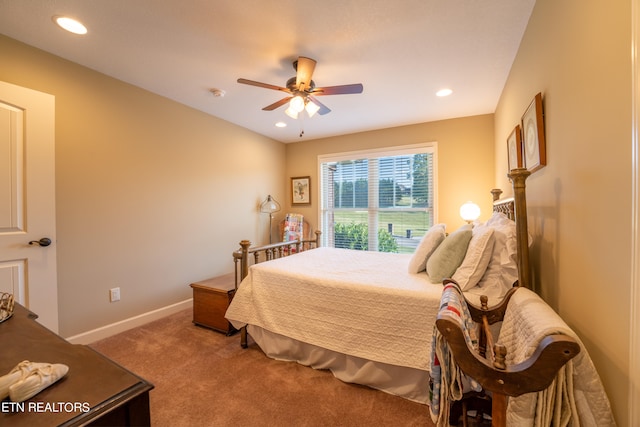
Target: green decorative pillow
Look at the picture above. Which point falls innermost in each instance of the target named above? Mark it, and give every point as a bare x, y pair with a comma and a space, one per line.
446, 259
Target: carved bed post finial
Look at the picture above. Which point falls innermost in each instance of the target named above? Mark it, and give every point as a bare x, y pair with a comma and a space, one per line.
518, 177
496, 192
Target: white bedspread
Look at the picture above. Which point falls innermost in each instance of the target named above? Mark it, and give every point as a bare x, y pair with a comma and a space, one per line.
359, 303
576, 397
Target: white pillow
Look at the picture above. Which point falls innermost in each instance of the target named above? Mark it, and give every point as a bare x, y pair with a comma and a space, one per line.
503, 267
477, 259
430, 241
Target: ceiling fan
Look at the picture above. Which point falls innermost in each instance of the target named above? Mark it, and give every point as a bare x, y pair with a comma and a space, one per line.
303, 91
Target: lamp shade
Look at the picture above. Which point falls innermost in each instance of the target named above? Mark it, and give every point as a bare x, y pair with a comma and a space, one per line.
270, 205
296, 104
311, 108
470, 211
291, 113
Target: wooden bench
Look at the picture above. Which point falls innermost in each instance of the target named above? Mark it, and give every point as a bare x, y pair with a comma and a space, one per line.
487, 366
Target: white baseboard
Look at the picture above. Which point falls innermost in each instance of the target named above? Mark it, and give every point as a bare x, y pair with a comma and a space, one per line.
126, 324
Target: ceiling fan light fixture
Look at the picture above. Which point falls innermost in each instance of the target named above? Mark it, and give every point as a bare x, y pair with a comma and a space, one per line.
291, 113
301, 89
311, 108
296, 104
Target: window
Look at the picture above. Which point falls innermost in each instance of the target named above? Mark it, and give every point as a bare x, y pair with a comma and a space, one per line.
378, 200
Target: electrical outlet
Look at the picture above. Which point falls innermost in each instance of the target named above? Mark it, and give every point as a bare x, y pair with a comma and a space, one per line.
114, 294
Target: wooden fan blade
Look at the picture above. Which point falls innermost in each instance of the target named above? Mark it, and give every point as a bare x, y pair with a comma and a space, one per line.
264, 85
304, 71
323, 108
339, 90
277, 104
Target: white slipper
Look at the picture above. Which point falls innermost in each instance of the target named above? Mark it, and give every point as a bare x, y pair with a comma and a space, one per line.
37, 381
18, 373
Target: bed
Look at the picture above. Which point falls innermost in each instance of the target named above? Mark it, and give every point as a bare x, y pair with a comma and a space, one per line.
369, 317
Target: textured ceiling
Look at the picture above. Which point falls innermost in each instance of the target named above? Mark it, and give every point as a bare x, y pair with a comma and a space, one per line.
401, 51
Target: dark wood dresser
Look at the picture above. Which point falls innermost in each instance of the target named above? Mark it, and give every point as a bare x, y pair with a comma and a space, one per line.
96, 391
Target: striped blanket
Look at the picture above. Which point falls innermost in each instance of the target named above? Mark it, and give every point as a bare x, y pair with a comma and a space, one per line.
447, 382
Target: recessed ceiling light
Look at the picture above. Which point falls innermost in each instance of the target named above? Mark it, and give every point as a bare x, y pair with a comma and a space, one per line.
281, 125
444, 92
70, 25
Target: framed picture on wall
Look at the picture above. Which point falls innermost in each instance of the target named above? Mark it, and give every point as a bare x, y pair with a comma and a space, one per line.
534, 149
514, 148
301, 190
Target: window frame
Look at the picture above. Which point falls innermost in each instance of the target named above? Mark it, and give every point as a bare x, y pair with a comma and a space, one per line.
412, 149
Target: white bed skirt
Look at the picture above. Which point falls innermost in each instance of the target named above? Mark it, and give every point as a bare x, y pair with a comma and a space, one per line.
409, 383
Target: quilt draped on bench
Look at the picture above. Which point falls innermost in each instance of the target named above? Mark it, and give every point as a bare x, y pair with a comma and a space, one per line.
576, 397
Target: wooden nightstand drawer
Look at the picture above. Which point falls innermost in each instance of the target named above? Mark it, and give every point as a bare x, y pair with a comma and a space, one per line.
211, 298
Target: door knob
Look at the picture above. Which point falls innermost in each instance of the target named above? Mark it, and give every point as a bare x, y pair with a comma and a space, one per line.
45, 241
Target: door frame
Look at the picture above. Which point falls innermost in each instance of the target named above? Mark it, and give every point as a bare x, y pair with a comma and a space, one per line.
634, 317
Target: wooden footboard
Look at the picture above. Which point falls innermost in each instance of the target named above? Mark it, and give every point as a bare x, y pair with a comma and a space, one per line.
248, 255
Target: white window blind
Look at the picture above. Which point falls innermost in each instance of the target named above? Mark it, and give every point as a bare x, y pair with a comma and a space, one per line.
378, 200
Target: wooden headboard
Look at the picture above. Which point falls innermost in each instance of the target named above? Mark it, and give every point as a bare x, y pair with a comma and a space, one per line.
516, 209
505, 206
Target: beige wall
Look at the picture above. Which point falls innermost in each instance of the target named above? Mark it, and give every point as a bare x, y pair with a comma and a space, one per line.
577, 53
151, 195
465, 161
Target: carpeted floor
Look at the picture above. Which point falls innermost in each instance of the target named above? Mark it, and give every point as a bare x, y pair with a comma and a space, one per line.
204, 378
